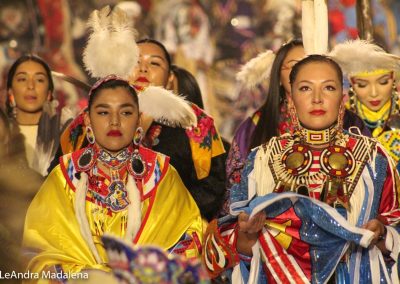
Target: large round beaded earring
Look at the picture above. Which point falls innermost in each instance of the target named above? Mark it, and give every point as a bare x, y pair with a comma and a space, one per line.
90, 135
137, 139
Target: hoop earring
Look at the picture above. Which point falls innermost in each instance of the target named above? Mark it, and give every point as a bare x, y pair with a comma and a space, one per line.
352, 99
90, 135
137, 138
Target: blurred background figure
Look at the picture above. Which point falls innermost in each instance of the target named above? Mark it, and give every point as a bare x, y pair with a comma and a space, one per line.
18, 185
32, 107
211, 46
185, 84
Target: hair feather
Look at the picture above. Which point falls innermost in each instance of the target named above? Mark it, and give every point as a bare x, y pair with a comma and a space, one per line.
111, 48
256, 70
166, 107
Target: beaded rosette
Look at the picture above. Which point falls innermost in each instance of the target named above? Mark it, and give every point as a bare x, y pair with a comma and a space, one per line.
333, 171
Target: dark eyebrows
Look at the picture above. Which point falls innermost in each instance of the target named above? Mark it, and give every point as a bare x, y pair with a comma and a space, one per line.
121, 106
102, 105
128, 105
25, 73
157, 56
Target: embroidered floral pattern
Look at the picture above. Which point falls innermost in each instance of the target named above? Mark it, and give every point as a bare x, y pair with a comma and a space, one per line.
204, 133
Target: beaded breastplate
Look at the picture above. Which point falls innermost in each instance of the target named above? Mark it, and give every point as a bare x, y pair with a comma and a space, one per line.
109, 189
340, 165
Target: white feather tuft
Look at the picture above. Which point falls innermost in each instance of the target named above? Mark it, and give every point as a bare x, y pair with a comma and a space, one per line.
80, 213
256, 70
134, 210
111, 48
357, 56
167, 108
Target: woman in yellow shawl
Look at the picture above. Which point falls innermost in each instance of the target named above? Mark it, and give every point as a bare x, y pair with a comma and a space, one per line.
112, 186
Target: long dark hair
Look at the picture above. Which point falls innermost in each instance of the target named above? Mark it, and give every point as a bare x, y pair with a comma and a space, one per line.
188, 86
13, 69
160, 45
267, 126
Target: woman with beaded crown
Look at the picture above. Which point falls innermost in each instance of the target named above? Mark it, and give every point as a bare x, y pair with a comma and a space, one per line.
112, 186
373, 92
304, 198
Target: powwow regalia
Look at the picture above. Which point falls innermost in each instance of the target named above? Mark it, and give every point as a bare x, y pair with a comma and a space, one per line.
305, 240
363, 59
316, 188
134, 194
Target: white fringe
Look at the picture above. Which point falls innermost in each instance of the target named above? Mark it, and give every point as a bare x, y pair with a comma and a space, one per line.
80, 212
134, 210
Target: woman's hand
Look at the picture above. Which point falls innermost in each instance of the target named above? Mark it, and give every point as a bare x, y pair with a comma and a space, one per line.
379, 230
248, 231
251, 225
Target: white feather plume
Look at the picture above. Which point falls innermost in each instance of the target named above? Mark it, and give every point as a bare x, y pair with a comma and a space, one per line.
167, 108
256, 70
111, 48
314, 26
358, 56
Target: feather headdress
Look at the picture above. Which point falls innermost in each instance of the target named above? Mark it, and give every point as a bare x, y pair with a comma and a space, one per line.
314, 26
111, 48
361, 56
256, 70
166, 107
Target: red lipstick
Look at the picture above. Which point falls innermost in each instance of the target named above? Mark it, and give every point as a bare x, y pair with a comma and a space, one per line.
317, 112
142, 80
114, 133
375, 103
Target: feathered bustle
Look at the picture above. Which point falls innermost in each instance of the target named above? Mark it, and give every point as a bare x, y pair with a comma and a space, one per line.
166, 107
111, 48
256, 70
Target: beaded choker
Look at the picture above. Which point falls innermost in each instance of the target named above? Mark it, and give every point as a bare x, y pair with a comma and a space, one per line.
318, 137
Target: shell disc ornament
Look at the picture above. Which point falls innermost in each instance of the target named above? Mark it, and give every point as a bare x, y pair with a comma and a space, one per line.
297, 159
337, 161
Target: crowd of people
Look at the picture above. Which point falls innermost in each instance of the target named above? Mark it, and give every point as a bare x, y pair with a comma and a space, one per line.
308, 190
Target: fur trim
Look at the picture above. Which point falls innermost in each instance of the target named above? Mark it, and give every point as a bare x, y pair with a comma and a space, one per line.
80, 212
256, 70
357, 56
134, 210
111, 48
167, 108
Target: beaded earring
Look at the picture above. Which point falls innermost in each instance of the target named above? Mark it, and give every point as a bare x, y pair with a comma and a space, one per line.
90, 135
352, 99
138, 136
395, 99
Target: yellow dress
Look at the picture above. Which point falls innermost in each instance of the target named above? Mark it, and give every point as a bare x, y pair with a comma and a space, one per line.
52, 234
